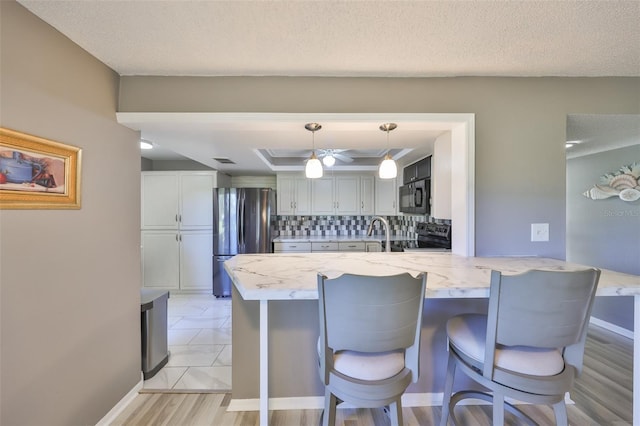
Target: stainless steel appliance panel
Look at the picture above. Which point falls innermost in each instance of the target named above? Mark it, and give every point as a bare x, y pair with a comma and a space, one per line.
241, 224
221, 280
255, 210
225, 221
415, 197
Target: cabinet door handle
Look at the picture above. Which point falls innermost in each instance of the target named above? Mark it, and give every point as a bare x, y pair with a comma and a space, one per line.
362, 205
176, 218
179, 218
177, 237
291, 204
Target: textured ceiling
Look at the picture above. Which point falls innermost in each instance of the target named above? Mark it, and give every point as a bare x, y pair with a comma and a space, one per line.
341, 38
354, 38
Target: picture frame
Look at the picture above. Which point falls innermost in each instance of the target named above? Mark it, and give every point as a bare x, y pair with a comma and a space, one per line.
38, 173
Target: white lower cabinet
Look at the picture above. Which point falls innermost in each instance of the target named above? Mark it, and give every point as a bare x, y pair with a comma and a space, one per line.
161, 259
325, 246
297, 247
351, 246
196, 261
174, 260
373, 246
329, 246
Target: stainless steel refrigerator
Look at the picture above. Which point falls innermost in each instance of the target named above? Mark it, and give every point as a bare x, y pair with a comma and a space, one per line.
242, 223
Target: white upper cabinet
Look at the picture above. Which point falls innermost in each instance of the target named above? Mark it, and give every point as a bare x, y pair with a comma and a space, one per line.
196, 201
293, 195
322, 198
367, 195
160, 200
177, 200
347, 195
336, 195
386, 196
340, 194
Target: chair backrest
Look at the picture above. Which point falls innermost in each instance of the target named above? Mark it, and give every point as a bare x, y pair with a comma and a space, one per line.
543, 309
371, 313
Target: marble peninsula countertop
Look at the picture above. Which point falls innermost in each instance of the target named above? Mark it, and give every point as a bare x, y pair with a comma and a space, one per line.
283, 276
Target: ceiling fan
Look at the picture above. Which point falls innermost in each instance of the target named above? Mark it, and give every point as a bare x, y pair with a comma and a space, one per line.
329, 156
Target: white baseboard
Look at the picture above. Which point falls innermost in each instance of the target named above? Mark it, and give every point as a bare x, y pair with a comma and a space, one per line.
121, 405
612, 327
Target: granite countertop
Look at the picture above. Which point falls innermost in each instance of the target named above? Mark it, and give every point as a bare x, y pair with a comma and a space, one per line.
273, 277
336, 238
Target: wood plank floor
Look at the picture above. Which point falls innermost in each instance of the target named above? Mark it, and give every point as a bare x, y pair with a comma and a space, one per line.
603, 396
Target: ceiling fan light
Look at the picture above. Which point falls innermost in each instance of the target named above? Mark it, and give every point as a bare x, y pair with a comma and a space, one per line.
313, 169
329, 160
388, 168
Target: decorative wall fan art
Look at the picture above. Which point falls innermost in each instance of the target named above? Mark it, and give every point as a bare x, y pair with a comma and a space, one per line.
623, 184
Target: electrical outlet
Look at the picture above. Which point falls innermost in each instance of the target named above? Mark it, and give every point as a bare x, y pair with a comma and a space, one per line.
539, 232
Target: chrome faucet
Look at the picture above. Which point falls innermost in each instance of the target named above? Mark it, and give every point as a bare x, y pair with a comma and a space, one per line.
386, 230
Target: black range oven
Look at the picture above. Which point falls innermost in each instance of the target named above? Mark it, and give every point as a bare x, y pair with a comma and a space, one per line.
430, 237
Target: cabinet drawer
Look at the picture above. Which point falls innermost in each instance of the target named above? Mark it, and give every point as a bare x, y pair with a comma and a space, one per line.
291, 247
352, 246
324, 247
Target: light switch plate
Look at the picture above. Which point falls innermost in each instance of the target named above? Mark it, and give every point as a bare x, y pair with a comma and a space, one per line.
539, 232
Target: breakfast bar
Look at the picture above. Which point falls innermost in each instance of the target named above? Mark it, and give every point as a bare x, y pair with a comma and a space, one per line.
275, 317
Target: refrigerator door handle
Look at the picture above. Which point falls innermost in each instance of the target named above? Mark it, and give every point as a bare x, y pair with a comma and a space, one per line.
241, 225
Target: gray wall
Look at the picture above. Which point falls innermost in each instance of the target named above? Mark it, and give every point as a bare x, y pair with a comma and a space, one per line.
520, 130
70, 313
604, 233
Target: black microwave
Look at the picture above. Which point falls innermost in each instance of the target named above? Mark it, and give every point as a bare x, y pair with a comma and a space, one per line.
415, 197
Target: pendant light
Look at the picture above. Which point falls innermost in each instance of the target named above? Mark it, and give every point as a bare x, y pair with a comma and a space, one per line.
313, 169
388, 168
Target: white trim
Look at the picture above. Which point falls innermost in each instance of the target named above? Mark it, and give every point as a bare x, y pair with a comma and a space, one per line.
121, 405
612, 327
461, 125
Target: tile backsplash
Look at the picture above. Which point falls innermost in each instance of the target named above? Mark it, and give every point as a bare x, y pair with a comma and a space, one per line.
401, 226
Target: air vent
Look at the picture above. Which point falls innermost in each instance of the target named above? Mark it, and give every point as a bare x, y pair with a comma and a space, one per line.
224, 161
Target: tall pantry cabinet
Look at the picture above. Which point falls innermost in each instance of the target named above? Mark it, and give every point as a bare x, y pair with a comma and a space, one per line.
177, 229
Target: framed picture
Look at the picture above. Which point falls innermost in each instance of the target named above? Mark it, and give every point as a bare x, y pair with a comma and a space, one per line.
37, 173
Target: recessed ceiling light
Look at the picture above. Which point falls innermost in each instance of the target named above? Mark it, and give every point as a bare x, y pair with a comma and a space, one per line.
145, 144
569, 144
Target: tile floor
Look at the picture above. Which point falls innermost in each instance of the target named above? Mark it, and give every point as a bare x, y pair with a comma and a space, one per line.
199, 337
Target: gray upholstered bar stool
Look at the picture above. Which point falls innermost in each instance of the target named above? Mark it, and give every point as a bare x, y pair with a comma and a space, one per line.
529, 347
369, 345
